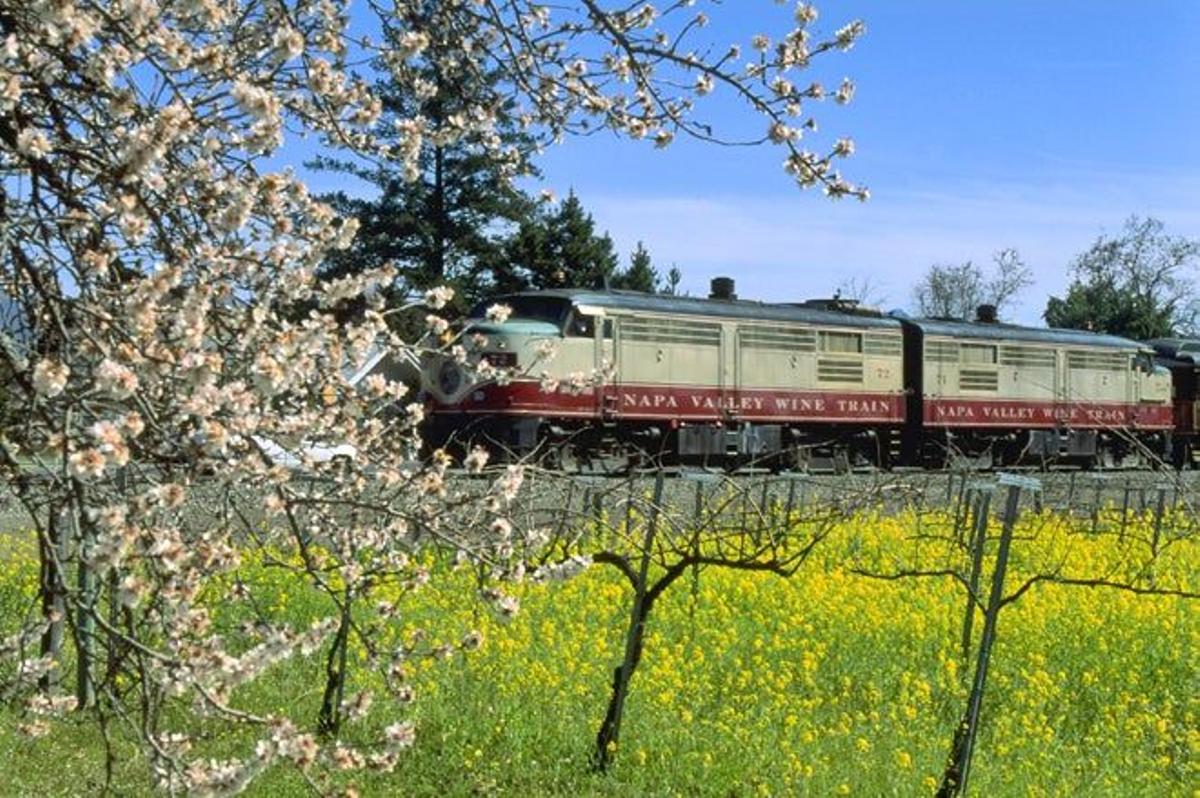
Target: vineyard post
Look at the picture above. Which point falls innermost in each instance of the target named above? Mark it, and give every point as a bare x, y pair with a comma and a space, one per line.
1096, 498
983, 505
629, 503
954, 780
1159, 509
764, 505
1125, 508
743, 509
960, 509
697, 526
597, 508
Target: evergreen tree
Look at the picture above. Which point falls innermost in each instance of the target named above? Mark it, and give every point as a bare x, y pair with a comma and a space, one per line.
641, 274
558, 249
444, 224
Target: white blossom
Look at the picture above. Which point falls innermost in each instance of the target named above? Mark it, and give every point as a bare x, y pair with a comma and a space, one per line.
437, 298
33, 143
498, 313
50, 377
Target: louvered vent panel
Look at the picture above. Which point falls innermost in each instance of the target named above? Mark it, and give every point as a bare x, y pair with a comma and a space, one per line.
1026, 357
941, 351
978, 380
1098, 361
780, 339
844, 371
671, 331
882, 345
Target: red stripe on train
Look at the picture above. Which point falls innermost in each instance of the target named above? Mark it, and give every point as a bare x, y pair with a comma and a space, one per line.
685, 403
1018, 414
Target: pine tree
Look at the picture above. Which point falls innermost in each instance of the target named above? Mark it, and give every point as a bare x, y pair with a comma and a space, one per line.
641, 274
445, 224
558, 249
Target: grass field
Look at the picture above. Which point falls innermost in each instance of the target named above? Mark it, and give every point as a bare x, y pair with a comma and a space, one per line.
826, 683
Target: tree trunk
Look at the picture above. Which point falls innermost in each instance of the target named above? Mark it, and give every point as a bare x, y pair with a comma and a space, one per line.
439, 214
610, 729
329, 720
51, 590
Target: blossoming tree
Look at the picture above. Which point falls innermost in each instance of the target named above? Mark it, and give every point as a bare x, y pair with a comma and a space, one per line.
170, 400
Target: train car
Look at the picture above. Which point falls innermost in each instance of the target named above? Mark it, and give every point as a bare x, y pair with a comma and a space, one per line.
1002, 393
1179, 356
677, 378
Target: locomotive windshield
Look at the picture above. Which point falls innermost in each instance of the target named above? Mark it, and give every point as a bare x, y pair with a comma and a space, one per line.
551, 309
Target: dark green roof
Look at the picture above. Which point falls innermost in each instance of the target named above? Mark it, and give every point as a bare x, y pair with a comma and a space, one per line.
696, 306
1015, 332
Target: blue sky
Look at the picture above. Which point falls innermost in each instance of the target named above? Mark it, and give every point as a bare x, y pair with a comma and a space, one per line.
979, 125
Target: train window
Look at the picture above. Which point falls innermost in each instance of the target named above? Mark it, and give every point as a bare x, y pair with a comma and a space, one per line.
607, 329
533, 308
978, 354
843, 343
582, 326
1143, 363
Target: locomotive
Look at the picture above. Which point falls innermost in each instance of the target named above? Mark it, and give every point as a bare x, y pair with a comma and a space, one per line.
585, 376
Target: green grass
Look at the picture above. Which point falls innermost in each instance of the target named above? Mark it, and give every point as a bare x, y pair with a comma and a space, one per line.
822, 684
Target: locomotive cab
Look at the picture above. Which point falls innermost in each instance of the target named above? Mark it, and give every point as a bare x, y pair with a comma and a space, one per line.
540, 360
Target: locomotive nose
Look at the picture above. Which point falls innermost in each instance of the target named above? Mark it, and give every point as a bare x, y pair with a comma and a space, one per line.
444, 379
450, 379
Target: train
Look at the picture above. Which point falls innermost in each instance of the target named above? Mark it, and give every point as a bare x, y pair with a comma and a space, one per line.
582, 378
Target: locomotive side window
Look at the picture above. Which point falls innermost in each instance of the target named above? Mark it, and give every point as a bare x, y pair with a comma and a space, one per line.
532, 308
582, 326
841, 343
1143, 363
978, 354
606, 329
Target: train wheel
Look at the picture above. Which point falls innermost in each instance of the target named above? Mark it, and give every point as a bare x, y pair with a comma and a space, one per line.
562, 457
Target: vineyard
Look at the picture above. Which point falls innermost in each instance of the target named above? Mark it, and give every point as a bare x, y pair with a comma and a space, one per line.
805, 647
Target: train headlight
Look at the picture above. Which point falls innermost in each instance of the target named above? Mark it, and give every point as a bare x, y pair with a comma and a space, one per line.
502, 360
450, 378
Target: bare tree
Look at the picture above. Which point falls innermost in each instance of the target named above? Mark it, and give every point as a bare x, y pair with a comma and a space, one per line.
955, 291
1139, 284
861, 290
657, 540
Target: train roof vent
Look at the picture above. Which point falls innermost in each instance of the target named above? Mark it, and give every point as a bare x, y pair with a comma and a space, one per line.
723, 289
986, 314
